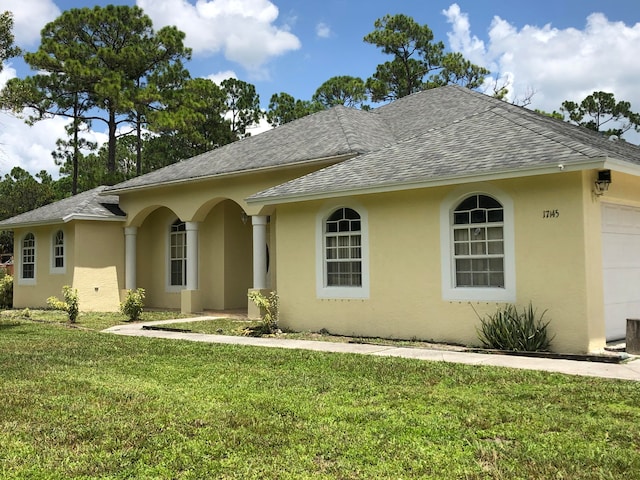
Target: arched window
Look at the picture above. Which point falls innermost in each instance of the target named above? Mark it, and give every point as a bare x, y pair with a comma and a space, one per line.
343, 249
478, 245
178, 254
478, 242
342, 252
28, 257
58, 250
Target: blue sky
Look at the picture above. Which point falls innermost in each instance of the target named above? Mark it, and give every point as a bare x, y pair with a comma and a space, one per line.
562, 49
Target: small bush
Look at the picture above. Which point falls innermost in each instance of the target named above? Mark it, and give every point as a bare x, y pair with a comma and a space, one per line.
6, 291
509, 329
71, 303
134, 304
268, 305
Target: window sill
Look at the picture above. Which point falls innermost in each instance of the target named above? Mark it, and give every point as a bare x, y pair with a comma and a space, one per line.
480, 294
343, 292
175, 288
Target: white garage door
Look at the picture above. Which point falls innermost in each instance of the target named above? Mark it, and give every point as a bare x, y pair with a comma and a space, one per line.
621, 257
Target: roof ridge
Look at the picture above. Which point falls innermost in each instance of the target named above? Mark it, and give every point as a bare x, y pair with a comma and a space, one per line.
350, 128
337, 110
89, 196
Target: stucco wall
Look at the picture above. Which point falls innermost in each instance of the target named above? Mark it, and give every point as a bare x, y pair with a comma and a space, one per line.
225, 242
226, 257
224, 254
34, 294
99, 265
94, 255
151, 260
553, 264
193, 201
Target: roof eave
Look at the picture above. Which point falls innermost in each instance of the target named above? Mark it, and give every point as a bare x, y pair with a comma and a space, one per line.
35, 223
69, 218
57, 221
450, 180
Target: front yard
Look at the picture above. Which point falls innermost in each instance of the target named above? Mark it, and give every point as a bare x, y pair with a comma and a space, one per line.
76, 403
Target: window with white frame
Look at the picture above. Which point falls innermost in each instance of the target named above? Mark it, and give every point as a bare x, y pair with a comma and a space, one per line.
58, 251
477, 245
28, 257
343, 258
178, 254
478, 242
343, 249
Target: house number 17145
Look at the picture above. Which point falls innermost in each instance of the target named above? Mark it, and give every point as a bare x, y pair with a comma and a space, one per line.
550, 213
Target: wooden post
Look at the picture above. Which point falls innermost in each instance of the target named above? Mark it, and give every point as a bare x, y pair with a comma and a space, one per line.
633, 336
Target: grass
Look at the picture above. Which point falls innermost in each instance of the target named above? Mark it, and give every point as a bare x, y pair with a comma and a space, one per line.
87, 320
78, 404
237, 326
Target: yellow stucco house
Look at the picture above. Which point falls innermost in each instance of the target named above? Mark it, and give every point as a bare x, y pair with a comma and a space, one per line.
397, 222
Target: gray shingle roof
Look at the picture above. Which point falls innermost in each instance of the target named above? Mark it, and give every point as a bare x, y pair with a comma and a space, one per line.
453, 132
335, 132
85, 205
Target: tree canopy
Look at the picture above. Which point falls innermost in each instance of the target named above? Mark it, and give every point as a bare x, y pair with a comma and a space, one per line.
193, 122
284, 108
601, 112
342, 90
98, 64
7, 47
418, 62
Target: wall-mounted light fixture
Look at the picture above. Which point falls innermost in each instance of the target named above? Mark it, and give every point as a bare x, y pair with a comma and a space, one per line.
603, 182
244, 217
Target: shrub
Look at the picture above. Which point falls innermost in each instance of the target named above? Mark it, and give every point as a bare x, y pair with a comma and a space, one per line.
6, 291
71, 303
134, 304
268, 305
509, 329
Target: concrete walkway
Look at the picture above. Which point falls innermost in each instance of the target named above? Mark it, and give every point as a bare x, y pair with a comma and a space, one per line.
626, 371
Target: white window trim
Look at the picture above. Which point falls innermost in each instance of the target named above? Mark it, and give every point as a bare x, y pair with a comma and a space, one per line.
28, 281
324, 291
53, 269
447, 261
168, 287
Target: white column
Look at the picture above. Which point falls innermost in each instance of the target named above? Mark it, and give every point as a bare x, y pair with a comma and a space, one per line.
259, 223
130, 235
192, 255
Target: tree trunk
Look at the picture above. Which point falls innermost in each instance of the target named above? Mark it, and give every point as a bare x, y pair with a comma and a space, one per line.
111, 160
138, 144
76, 150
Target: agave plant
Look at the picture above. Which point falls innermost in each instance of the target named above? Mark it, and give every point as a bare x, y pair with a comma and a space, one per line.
510, 329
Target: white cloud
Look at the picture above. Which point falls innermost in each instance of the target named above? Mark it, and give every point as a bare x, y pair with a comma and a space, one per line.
244, 30
219, 77
262, 126
558, 64
460, 39
29, 147
323, 30
29, 17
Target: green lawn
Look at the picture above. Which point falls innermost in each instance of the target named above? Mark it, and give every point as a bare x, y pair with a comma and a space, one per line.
76, 403
239, 326
86, 320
